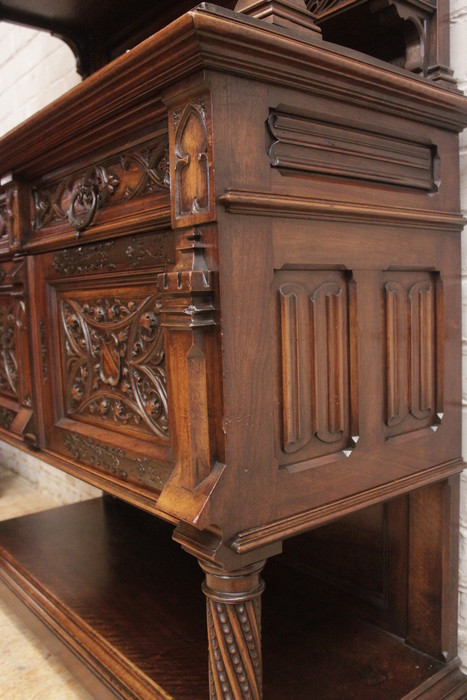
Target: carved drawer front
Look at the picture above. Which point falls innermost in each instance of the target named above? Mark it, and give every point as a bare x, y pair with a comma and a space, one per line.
107, 388
127, 191
317, 420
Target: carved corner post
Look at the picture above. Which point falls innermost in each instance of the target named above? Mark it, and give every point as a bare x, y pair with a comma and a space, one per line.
292, 14
233, 602
189, 317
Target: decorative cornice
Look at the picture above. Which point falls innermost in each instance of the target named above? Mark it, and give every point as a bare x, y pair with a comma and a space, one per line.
212, 38
291, 206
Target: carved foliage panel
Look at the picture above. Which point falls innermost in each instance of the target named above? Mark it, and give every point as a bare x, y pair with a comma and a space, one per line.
113, 363
414, 343
8, 348
317, 418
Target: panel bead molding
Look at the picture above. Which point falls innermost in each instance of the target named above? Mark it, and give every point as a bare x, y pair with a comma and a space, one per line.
317, 349
414, 341
191, 162
78, 198
233, 602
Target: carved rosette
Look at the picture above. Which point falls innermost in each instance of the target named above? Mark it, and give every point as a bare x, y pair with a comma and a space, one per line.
191, 162
233, 601
114, 360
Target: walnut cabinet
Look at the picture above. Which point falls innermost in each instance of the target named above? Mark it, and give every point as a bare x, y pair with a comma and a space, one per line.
230, 298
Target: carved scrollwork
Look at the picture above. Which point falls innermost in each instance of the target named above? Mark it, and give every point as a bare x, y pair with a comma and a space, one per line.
78, 198
94, 192
8, 356
155, 170
115, 461
115, 362
84, 259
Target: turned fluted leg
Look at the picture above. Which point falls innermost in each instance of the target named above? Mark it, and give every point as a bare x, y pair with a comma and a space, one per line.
233, 601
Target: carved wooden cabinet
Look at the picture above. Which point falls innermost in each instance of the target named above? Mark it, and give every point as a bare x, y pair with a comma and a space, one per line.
230, 296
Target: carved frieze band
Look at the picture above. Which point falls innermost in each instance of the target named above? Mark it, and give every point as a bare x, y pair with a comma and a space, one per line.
114, 361
191, 153
78, 198
137, 251
115, 461
414, 352
315, 363
311, 145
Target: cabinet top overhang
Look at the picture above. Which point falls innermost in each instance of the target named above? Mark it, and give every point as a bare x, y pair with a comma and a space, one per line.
210, 38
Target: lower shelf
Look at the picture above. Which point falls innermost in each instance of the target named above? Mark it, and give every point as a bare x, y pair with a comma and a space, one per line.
105, 586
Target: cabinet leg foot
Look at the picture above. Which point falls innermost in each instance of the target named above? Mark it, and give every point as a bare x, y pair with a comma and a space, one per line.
233, 601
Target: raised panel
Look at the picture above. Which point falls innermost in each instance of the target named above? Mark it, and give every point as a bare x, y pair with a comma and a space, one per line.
414, 344
317, 419
306, 144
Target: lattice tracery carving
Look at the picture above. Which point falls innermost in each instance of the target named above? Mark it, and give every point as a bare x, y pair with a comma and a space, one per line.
114, 359
78, 198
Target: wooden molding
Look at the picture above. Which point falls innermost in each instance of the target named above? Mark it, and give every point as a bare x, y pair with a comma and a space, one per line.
254, 538
290, 206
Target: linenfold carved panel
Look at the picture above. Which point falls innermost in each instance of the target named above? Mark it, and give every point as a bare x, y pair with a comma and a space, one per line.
314, 146
414, 373
317, 418
113, 360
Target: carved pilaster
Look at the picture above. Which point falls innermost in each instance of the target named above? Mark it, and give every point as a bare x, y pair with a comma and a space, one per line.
234, 630
292, 14
188, 319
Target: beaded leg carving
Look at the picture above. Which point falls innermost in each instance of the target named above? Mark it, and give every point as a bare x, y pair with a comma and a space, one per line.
234, 630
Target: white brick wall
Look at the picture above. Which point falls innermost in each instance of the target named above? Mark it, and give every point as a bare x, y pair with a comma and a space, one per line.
35, 68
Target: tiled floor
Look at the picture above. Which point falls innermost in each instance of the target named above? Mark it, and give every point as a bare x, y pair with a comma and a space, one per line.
28, 671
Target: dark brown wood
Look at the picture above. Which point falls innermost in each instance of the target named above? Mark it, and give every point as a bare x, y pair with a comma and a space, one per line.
230, 296
133, 614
